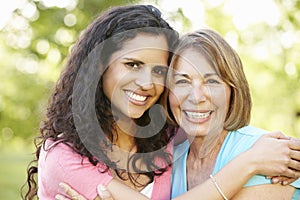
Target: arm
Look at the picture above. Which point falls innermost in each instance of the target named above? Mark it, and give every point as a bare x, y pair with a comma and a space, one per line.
279, 157
268, 156
266, 192
240, 165
113, 191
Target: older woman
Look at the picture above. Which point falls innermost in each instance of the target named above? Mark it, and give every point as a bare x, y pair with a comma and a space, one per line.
210, 100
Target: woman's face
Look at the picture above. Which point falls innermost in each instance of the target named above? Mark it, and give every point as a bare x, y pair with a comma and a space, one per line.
134, 80
199, 99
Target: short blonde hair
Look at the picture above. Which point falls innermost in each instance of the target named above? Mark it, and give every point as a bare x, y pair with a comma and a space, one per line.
228, 65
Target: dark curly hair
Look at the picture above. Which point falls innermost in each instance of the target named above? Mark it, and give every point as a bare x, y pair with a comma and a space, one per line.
60, 121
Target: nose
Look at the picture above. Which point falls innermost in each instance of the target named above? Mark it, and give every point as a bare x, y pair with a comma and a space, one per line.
145, 81
198, 94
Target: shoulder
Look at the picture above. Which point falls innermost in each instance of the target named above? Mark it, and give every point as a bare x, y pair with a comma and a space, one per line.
243, 137
248, 132
58, 154
59, 160
236, 142
61, 164
63, 156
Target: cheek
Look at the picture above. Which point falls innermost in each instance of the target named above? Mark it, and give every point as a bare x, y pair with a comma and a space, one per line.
219, 96
112, 83
175, 105
221, 100
178, 96
173, 100
107, 87
159, 87
228, 97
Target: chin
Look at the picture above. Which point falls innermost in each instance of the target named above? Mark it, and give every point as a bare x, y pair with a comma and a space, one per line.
195, 132
135, 115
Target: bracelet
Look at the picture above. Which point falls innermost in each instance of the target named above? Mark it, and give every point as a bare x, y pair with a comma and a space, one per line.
217, 186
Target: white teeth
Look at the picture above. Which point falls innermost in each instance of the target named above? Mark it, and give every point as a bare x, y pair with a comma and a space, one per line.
198, 115
135, 96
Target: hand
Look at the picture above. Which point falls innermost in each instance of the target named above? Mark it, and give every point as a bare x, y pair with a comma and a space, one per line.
282, 180
277, 155
72, 194
103, 193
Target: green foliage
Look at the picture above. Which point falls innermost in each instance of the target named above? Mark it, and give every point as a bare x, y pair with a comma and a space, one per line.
29, 71
270, 54
33, 52
14, 161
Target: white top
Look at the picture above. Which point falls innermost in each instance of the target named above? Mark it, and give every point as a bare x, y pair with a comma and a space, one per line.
147, 191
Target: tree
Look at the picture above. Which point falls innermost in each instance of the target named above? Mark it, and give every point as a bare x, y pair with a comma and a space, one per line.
35, 42
39, 34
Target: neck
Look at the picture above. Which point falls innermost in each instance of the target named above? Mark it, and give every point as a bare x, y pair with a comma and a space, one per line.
123, 148
195, 146
125, 136
202, 158
206, 145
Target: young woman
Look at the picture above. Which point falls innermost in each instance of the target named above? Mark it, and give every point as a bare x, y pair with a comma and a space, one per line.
98, 123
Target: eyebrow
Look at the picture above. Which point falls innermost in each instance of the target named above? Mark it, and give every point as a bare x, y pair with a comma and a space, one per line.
141, 62
134, 60
205, 75
210, 74
181, 74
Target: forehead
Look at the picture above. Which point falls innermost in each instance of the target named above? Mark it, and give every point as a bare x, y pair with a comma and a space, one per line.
147, 40
192, 61
150, 48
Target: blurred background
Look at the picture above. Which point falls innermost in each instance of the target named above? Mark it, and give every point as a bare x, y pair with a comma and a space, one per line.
36, 36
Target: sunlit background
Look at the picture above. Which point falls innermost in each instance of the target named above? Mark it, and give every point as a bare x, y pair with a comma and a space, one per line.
36, 35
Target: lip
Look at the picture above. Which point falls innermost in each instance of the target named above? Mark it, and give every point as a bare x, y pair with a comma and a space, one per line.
198, 116
137, 98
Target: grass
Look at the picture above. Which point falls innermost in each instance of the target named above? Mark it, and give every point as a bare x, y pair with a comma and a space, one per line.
14, 158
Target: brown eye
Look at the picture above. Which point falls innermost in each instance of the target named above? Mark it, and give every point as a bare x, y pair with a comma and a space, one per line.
159, 70
132, 65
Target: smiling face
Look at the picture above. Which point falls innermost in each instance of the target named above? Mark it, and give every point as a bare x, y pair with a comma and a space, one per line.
134, 80
199, 99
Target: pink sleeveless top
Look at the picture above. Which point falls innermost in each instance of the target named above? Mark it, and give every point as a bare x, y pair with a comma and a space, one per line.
61, 164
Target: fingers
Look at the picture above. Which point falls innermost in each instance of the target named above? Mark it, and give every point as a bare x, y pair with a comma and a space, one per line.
283, 180
104, 193
294, 144
288, 181
277, 135
61, 197
278, 179
295, 160
73, 195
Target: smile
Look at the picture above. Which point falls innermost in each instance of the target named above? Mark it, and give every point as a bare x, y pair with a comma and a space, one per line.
135, 97
198, 115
